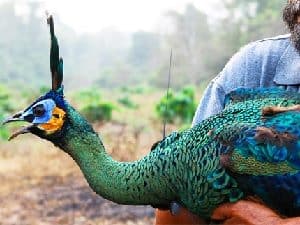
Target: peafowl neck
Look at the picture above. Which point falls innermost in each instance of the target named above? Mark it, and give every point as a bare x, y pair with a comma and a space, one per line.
122, 182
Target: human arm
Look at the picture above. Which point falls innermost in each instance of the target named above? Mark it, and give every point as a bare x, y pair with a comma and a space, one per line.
211, 103
253, 66
250, 213
242, 212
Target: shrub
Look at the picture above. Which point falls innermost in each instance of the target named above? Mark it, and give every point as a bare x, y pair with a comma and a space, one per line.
4, 134
98, 112
179, 106
127, 102
6, 107
92, 107
88, 96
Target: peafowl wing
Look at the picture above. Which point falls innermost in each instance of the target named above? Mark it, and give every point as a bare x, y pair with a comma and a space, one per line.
263, 153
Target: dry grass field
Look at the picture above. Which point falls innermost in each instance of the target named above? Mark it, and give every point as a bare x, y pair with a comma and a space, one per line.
41, 185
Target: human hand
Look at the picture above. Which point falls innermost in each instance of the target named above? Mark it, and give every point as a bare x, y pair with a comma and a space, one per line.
250, 213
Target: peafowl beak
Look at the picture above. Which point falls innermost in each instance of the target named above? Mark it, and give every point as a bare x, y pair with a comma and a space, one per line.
44, 117
20, 116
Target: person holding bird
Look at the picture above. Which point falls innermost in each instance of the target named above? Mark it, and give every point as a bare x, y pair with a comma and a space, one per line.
265, 63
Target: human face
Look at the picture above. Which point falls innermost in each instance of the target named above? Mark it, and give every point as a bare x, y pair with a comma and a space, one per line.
291, 16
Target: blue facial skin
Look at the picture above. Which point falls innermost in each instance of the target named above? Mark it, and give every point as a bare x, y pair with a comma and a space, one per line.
41, 112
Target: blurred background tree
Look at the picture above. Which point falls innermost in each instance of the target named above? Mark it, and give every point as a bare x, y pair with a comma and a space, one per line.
177, 107
247, 20
113, 58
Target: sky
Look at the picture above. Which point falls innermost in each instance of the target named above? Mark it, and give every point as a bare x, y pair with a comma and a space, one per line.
129, 15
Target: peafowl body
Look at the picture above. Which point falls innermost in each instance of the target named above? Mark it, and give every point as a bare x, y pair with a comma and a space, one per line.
251, 148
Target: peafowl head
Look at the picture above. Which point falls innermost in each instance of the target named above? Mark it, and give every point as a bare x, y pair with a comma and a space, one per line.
47, 115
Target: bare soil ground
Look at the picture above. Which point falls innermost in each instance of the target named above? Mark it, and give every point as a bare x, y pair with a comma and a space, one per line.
57, 200
42, 185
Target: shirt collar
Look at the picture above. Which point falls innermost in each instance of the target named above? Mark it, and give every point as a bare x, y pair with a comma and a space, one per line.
288, 67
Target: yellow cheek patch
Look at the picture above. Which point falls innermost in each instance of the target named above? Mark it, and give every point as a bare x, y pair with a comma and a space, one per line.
55, 123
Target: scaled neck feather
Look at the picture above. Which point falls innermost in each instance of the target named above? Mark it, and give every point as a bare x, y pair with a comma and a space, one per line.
122, 182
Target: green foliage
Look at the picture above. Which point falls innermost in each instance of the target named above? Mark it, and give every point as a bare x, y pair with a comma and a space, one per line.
177, 106
88, 96
92, 107
4, 134
135, 90
6, 106
98, 112
127, 102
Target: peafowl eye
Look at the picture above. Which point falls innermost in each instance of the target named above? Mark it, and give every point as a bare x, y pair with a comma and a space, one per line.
45, 116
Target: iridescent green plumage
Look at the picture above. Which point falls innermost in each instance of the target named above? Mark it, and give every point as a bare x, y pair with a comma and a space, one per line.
199, 168
251, 148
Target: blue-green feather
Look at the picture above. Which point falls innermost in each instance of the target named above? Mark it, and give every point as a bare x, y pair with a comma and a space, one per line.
220, 160
265, 167
246, 94
281, 191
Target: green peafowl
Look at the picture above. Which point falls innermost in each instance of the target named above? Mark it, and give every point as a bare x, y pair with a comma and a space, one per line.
251, 148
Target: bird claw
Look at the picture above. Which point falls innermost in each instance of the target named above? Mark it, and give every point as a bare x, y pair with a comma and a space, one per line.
175, 208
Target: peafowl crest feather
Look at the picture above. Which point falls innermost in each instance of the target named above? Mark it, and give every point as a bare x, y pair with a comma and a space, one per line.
251, 148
